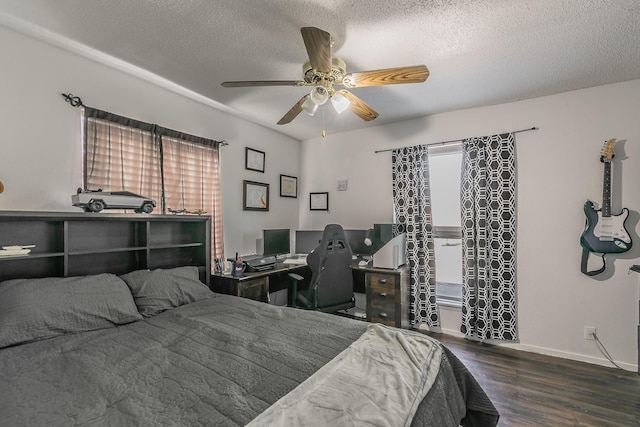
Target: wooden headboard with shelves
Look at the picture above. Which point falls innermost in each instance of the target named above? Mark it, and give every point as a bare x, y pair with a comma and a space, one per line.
78, 244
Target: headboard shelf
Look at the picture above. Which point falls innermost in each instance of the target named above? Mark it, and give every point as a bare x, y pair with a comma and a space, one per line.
32, 255
75, 244
184, 245
108, 250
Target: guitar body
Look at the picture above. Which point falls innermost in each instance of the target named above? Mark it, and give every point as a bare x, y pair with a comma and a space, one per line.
605, 234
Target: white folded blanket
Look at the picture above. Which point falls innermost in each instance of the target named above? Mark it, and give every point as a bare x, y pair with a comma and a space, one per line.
379, 380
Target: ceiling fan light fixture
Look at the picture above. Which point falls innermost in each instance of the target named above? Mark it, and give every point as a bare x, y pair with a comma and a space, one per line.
322, 71
319, 95
340, 102
309, 106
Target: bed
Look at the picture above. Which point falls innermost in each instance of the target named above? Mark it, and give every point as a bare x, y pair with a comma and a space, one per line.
157, 347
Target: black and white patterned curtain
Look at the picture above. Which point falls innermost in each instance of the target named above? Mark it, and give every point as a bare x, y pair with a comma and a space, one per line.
488, 207
412, 207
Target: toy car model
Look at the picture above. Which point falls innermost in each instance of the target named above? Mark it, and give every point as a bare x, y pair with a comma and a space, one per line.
95, 201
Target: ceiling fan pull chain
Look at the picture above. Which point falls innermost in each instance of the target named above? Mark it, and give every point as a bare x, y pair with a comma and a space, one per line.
323, 133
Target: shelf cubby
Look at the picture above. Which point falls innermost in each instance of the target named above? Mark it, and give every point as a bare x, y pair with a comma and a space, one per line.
78, 244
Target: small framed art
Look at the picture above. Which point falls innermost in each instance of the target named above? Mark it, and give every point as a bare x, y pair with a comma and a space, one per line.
288, 186
319, 201
254, 160
255, 196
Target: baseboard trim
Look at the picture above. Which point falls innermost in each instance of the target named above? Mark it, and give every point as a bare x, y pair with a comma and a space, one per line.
544, 350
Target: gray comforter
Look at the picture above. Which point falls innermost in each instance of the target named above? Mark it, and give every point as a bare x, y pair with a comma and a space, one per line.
216, 362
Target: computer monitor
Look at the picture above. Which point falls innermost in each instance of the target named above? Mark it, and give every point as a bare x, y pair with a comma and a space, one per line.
276, 241
307, 240
356, 242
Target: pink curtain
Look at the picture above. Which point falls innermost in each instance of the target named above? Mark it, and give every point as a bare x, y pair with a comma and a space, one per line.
192, 183
179, 171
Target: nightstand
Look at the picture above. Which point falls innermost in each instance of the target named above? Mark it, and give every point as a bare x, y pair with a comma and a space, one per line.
388, 296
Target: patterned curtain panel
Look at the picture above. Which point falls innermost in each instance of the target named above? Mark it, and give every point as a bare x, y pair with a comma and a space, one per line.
488, 207
412, 207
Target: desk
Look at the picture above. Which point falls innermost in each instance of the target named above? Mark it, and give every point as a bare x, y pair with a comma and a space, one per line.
259, 284
387, 290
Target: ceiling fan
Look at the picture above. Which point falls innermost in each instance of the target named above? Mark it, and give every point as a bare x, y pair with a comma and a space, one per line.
323, 72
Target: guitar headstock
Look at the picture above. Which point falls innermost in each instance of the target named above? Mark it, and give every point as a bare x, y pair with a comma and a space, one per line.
608, 150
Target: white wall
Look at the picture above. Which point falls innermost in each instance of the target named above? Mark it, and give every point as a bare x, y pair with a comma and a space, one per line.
40, 144
558, 169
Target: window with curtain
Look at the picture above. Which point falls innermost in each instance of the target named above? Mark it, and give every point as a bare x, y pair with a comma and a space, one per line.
482, 239
444, 172
181, 172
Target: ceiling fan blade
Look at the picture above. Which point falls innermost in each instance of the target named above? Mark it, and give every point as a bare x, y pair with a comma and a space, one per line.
318, 44
387, 76
293, 112
264, 83
359, 107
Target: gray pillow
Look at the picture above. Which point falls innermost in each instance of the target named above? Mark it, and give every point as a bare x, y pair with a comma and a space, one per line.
155, 291
32, 309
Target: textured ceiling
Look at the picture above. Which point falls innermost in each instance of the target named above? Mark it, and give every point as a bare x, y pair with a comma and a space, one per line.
479, 52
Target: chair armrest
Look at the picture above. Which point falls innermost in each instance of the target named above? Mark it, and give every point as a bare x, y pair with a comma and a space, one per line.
295, 278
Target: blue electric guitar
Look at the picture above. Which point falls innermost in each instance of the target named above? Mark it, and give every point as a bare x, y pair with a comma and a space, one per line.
605, 233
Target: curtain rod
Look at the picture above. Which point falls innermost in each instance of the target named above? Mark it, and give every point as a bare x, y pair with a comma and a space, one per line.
453, 141
75, 101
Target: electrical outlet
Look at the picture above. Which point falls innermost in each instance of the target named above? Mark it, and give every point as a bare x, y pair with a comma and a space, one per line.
589, 332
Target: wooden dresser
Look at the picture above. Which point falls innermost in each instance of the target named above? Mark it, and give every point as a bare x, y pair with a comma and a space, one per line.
388, 296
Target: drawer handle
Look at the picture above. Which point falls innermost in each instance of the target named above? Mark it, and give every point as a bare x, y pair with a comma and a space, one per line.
383, 315
382, 281
382, 294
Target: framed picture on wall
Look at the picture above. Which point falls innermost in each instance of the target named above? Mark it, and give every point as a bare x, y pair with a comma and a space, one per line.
288, 186
255, 196
254, 160
319, 201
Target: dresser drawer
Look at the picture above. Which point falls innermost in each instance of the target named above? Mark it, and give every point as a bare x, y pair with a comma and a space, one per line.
382, 295
383, 304
257, 289
378, 280
378, 315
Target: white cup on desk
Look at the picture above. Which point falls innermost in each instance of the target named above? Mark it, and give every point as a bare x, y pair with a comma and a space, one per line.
226, 267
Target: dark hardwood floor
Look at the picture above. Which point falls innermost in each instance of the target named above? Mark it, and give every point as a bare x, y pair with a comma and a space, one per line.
530, 389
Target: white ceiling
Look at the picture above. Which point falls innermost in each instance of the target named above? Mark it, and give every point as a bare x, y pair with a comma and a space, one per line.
479, 52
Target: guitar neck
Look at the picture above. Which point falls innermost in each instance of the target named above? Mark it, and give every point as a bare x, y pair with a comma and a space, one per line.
606, 190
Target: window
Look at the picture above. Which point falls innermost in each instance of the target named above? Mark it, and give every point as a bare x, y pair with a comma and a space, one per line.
179, 171
444, 175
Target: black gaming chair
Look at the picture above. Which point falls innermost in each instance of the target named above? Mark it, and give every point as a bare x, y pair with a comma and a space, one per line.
331, 286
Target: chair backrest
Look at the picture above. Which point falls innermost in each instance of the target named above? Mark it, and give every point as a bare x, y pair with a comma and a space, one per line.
330, 264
